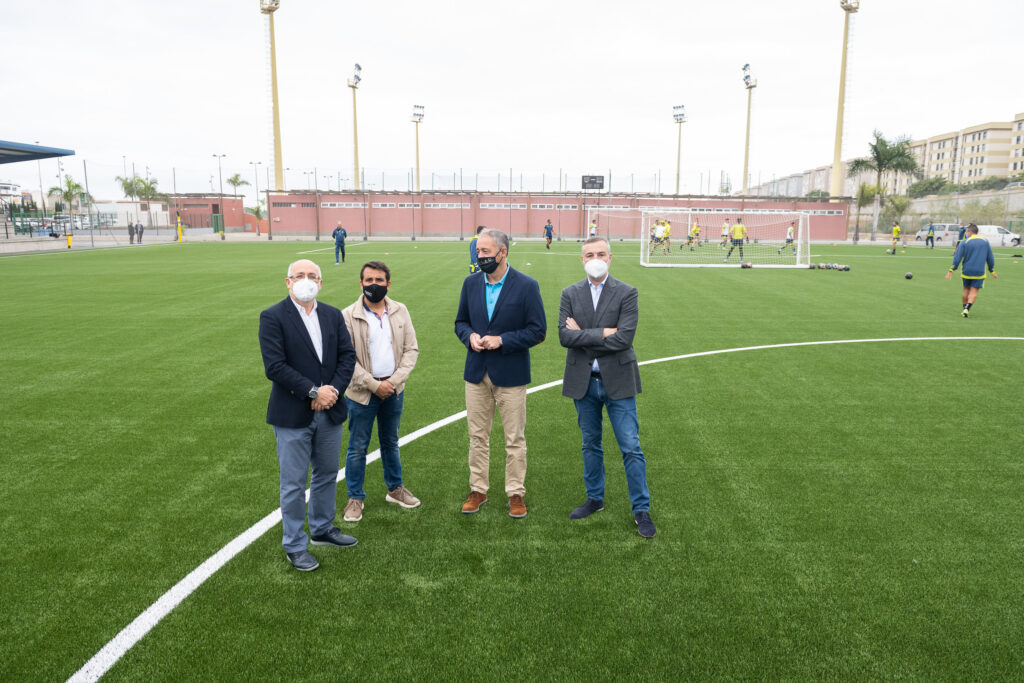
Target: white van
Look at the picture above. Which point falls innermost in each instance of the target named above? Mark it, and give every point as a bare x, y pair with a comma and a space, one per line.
999, 236
944, 232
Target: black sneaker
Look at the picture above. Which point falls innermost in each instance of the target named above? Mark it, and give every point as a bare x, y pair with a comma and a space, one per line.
644, 525
588, 508
303, 560
334, 537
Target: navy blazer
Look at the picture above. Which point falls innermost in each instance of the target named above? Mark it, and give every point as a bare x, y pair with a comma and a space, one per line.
519, 320
292, 366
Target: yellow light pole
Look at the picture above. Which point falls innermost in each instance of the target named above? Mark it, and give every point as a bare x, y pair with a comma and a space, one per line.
268, 7
354, 84
836, 186
749, 83
679, 116
417, 118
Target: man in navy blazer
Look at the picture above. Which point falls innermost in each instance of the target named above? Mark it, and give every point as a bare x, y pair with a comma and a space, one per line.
500, 316
309, 358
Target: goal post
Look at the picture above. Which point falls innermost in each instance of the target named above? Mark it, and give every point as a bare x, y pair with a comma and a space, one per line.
706, 238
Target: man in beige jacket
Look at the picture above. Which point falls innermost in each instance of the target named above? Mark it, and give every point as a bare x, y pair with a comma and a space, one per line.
386, 352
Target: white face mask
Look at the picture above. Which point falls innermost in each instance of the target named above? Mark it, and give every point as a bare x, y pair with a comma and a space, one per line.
305, 290
596, 268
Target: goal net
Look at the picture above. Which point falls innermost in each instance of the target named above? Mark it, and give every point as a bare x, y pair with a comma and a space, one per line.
698, 237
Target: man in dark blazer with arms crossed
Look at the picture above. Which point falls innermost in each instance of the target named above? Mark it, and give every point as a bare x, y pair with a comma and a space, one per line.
309, 358
597, 320
500, 316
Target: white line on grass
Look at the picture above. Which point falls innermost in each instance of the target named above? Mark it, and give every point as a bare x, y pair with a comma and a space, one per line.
330, 248
103, 660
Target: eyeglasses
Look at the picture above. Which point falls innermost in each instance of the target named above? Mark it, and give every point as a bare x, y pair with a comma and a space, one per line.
307, 276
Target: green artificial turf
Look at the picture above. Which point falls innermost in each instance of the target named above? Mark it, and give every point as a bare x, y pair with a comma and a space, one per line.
839, 511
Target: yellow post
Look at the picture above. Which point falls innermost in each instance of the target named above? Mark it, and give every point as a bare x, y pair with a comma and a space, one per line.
69, 240
836, 186
278, 170
179, 228
746, 146
355, 137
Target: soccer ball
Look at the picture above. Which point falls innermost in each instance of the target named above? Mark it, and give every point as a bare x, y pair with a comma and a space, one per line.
828, 266
835, 266
888, 251
909, 276
821, 266
812, 266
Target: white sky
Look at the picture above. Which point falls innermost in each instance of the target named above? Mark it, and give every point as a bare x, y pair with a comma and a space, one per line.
532, 86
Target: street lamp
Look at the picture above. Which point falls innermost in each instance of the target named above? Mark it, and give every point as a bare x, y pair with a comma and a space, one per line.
220, 179
679, 116
417, 118
836, 186
268, 7
749, 82
354, 84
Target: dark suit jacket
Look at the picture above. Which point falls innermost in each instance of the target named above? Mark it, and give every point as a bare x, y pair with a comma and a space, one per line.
291, 364
519, 320
617, 308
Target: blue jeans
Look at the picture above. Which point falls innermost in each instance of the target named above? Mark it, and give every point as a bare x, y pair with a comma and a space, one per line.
337, 248
318, 445
388, 413
622, 415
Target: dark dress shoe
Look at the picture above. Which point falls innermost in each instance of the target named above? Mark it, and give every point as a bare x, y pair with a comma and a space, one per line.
334, 537
587, 509
644, 525
303, 560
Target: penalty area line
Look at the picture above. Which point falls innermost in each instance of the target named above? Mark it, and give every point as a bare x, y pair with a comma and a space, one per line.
109, 655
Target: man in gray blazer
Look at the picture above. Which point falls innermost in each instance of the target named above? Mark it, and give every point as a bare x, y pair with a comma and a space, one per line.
597, 319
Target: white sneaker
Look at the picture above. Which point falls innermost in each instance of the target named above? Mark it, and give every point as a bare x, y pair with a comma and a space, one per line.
354, 510
402, 496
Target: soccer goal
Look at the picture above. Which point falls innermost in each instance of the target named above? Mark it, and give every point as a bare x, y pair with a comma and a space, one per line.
698, 237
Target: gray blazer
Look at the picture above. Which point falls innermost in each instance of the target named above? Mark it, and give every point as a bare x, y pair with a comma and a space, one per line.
617, 308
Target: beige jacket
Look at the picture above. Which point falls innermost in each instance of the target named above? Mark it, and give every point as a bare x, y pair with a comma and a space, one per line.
403, 344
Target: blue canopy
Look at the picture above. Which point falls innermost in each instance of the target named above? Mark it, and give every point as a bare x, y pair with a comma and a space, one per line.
19, 151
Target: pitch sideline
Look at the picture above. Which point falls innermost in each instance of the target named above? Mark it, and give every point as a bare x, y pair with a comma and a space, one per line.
116, 648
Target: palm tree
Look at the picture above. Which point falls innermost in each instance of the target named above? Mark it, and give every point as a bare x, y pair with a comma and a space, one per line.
884, 156
147, 189
236, 181
68, 193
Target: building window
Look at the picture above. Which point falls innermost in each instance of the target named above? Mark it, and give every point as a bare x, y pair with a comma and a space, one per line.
308, 205
542, 206
383, 205
451, 205
282, 205
409, 205
197, 206
341, 205
566, 207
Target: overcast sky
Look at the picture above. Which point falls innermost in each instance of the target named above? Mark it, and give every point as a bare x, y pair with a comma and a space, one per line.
532, 86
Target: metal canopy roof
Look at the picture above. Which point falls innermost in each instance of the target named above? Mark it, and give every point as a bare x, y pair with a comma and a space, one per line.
18, 151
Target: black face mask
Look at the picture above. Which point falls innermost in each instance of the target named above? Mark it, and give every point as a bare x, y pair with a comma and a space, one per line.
375, 293
488, 264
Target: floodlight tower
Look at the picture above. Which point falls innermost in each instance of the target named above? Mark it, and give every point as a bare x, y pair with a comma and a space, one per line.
417, 118
268, 7
749, 82
354, 84
836, 186
679, 116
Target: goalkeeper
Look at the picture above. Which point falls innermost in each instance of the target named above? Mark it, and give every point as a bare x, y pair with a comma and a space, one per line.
739, 234
789, 238
725, 234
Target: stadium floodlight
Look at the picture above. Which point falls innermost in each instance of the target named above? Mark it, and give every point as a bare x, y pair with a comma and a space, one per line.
836, 185
268, 7
354, 84
749, 82
417, 119
679, 116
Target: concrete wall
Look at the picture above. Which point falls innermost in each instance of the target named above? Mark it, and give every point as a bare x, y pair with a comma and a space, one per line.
456, 214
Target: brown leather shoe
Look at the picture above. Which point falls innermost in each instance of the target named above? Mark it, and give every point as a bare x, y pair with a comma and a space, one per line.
473, 503
516, 506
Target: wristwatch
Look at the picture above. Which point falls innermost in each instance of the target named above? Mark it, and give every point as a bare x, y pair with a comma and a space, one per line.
312, 394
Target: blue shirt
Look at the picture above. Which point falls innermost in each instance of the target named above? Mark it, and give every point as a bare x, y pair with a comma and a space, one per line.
931, 231
547, 230
492, 292
339, 236
975, 253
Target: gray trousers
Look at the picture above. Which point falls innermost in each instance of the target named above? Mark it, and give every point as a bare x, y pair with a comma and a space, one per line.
318, 445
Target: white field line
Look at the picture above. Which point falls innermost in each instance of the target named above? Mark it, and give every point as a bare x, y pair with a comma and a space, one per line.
103, 660
331, 248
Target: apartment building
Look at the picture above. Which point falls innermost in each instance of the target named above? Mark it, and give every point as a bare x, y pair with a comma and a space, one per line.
963, 156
